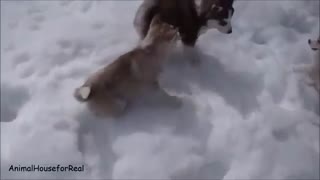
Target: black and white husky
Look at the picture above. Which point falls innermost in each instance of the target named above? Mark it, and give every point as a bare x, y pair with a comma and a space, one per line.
191, 17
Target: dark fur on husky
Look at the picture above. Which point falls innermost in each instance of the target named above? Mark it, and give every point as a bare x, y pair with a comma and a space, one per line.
183, 14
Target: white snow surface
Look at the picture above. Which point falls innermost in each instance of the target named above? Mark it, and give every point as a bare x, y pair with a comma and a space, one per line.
245, 114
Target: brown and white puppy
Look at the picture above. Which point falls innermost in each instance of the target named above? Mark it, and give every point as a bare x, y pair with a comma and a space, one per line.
189, 16
110, 90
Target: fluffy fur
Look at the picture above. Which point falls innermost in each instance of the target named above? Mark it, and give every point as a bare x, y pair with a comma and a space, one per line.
216, 14
110, 90
314, 70
189, 16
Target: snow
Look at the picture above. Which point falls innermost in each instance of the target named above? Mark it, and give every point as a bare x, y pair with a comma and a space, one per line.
245, 114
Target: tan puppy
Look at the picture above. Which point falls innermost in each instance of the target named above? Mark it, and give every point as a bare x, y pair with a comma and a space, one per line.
314, 70
110, 90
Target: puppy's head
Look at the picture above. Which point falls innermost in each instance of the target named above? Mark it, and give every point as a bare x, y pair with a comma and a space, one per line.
314, 44
220, 15
160, 31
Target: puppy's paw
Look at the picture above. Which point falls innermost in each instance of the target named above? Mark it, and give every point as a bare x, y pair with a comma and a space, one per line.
310, 82
314, 85
195, 62
175, 102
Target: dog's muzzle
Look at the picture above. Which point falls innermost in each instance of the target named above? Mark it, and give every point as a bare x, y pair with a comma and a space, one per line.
177, 36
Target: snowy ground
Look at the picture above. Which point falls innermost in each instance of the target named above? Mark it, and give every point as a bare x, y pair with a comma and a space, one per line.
245, 115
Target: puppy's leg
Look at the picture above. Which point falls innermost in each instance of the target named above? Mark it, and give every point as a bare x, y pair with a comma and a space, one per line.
303, 68
121, 106
164, 97
314, 85
314, 78
310, 73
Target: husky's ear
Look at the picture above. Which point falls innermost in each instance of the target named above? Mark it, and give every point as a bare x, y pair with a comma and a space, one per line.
83, 92
155, 21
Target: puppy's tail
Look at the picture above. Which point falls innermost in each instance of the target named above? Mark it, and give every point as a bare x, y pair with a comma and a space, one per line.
82, 94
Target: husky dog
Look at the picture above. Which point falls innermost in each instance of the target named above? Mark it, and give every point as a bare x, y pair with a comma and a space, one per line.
110, 90
191, 17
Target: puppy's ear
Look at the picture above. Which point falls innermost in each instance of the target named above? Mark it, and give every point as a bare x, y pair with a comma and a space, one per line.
155, 21
82, 93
